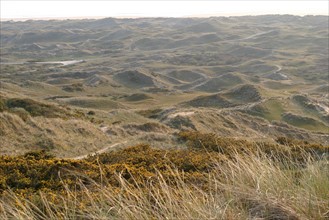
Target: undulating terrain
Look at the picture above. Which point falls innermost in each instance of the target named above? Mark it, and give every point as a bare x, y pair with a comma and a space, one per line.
142, 80
76, 89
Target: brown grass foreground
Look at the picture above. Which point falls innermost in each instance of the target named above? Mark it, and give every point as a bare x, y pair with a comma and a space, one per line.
145, 183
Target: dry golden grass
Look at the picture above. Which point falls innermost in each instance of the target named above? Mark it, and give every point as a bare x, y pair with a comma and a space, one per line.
241, 186
59, 136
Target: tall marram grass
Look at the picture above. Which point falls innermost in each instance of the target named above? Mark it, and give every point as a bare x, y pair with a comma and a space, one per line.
243, 187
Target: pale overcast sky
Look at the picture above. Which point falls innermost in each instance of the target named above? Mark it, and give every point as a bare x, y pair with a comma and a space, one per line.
66, 9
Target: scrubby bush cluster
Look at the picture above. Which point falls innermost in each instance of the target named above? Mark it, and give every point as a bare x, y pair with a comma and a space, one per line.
25, 107
76, 87
38, 170
33, 107
280, 149
150, 113
214, 177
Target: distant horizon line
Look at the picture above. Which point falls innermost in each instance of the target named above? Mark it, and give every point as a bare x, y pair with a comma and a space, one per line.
145, 16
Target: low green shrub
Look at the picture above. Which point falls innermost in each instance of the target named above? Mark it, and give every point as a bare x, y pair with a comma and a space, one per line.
24, 107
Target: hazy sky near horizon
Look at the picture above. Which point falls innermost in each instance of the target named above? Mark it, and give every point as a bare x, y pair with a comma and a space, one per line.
65, 9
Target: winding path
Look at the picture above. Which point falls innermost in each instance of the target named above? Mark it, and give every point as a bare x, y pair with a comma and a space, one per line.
99, 151
103, 129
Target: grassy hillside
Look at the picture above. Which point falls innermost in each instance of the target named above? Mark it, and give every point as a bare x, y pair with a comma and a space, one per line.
225, 178
165, 118
255, 65
27, 124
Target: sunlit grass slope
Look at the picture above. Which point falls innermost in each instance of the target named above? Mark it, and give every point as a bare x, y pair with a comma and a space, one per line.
213, 178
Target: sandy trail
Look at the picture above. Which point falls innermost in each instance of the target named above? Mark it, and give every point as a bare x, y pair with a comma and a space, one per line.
181, 114
99, 151
63, 63
103, 129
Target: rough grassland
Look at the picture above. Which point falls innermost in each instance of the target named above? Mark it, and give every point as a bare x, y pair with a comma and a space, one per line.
213, 178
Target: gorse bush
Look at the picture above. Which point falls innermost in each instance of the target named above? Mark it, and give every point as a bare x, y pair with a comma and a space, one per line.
212, 142
213, 178
158, 159
38, 170
303, 144
230, 146
239, 188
